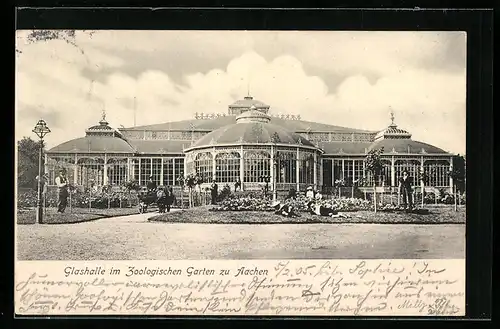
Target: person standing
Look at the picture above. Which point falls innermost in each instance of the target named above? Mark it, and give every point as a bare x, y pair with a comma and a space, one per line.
237, 185
170, 198
310, 193
62, 186
214, 189
151, 186
406, 190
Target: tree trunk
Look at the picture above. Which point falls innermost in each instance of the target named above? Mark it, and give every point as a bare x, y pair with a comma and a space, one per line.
455, 196
375, 197
423, 191
352, 192
182, 197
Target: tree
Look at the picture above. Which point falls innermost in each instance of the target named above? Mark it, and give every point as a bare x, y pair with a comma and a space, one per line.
339, 183
27, 162
191, 181
68, 36
132, 185
423, 177
181, 181
457, 175
374, 165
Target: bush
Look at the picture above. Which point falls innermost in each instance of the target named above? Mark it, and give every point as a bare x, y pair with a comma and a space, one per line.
225, 193
79, 199
26, 198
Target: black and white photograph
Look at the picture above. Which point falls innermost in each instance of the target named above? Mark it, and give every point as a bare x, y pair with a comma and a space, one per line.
240, 145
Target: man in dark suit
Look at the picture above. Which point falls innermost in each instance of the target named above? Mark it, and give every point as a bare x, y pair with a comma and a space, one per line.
151, 185
406, 190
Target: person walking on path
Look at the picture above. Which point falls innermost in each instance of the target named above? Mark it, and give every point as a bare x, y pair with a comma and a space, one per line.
62, 186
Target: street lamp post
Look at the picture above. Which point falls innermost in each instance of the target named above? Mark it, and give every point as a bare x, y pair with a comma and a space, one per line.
40, 130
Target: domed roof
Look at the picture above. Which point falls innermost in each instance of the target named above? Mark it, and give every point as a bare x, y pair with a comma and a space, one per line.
103, 125
392, 132
102, 129
100, 138
89, 144
252, 133
248, 102
406, 146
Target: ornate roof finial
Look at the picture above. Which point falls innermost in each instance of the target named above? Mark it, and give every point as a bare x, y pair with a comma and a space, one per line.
103, 117
392, 117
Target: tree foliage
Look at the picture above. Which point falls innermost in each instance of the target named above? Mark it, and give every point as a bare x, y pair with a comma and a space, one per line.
458, 172
374, 165
69, 36
27, 162
373, 162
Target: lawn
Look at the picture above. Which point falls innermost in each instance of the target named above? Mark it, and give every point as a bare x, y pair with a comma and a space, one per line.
76, 215
432, 215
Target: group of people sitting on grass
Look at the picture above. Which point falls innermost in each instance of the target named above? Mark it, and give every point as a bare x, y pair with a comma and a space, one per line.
314, 206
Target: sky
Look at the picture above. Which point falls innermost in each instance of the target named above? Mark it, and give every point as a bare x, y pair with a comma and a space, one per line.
343, 78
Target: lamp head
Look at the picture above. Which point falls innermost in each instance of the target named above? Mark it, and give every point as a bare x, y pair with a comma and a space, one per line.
41, 129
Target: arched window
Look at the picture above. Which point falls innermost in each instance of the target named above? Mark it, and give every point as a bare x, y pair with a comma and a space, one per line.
56, 163
257, 165
437, 170
203, 164
227, 167
90, 172
286, 166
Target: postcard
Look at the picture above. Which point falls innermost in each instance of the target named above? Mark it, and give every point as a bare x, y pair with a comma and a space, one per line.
240, 173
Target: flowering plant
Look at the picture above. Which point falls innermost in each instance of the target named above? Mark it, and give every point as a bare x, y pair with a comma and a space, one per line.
243, 204
193, 179
339, 182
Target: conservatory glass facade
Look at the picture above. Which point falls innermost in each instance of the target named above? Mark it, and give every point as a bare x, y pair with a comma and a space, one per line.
250, 145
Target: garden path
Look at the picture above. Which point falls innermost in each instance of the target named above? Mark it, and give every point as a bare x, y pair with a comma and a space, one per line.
135, 238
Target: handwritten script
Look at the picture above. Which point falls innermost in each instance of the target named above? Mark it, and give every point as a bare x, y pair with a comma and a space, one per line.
291, 287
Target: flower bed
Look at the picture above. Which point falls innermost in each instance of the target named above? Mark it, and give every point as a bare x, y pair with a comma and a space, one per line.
79, 199
203, 215
259, 203
243, 204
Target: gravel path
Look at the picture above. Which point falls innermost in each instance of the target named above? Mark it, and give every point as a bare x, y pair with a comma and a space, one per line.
133, 237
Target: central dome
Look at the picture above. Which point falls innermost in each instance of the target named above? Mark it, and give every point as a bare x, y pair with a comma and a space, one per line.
251, 127
247, 104
253, 115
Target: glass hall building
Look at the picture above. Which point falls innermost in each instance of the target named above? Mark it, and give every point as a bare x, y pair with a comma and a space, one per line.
248, 144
